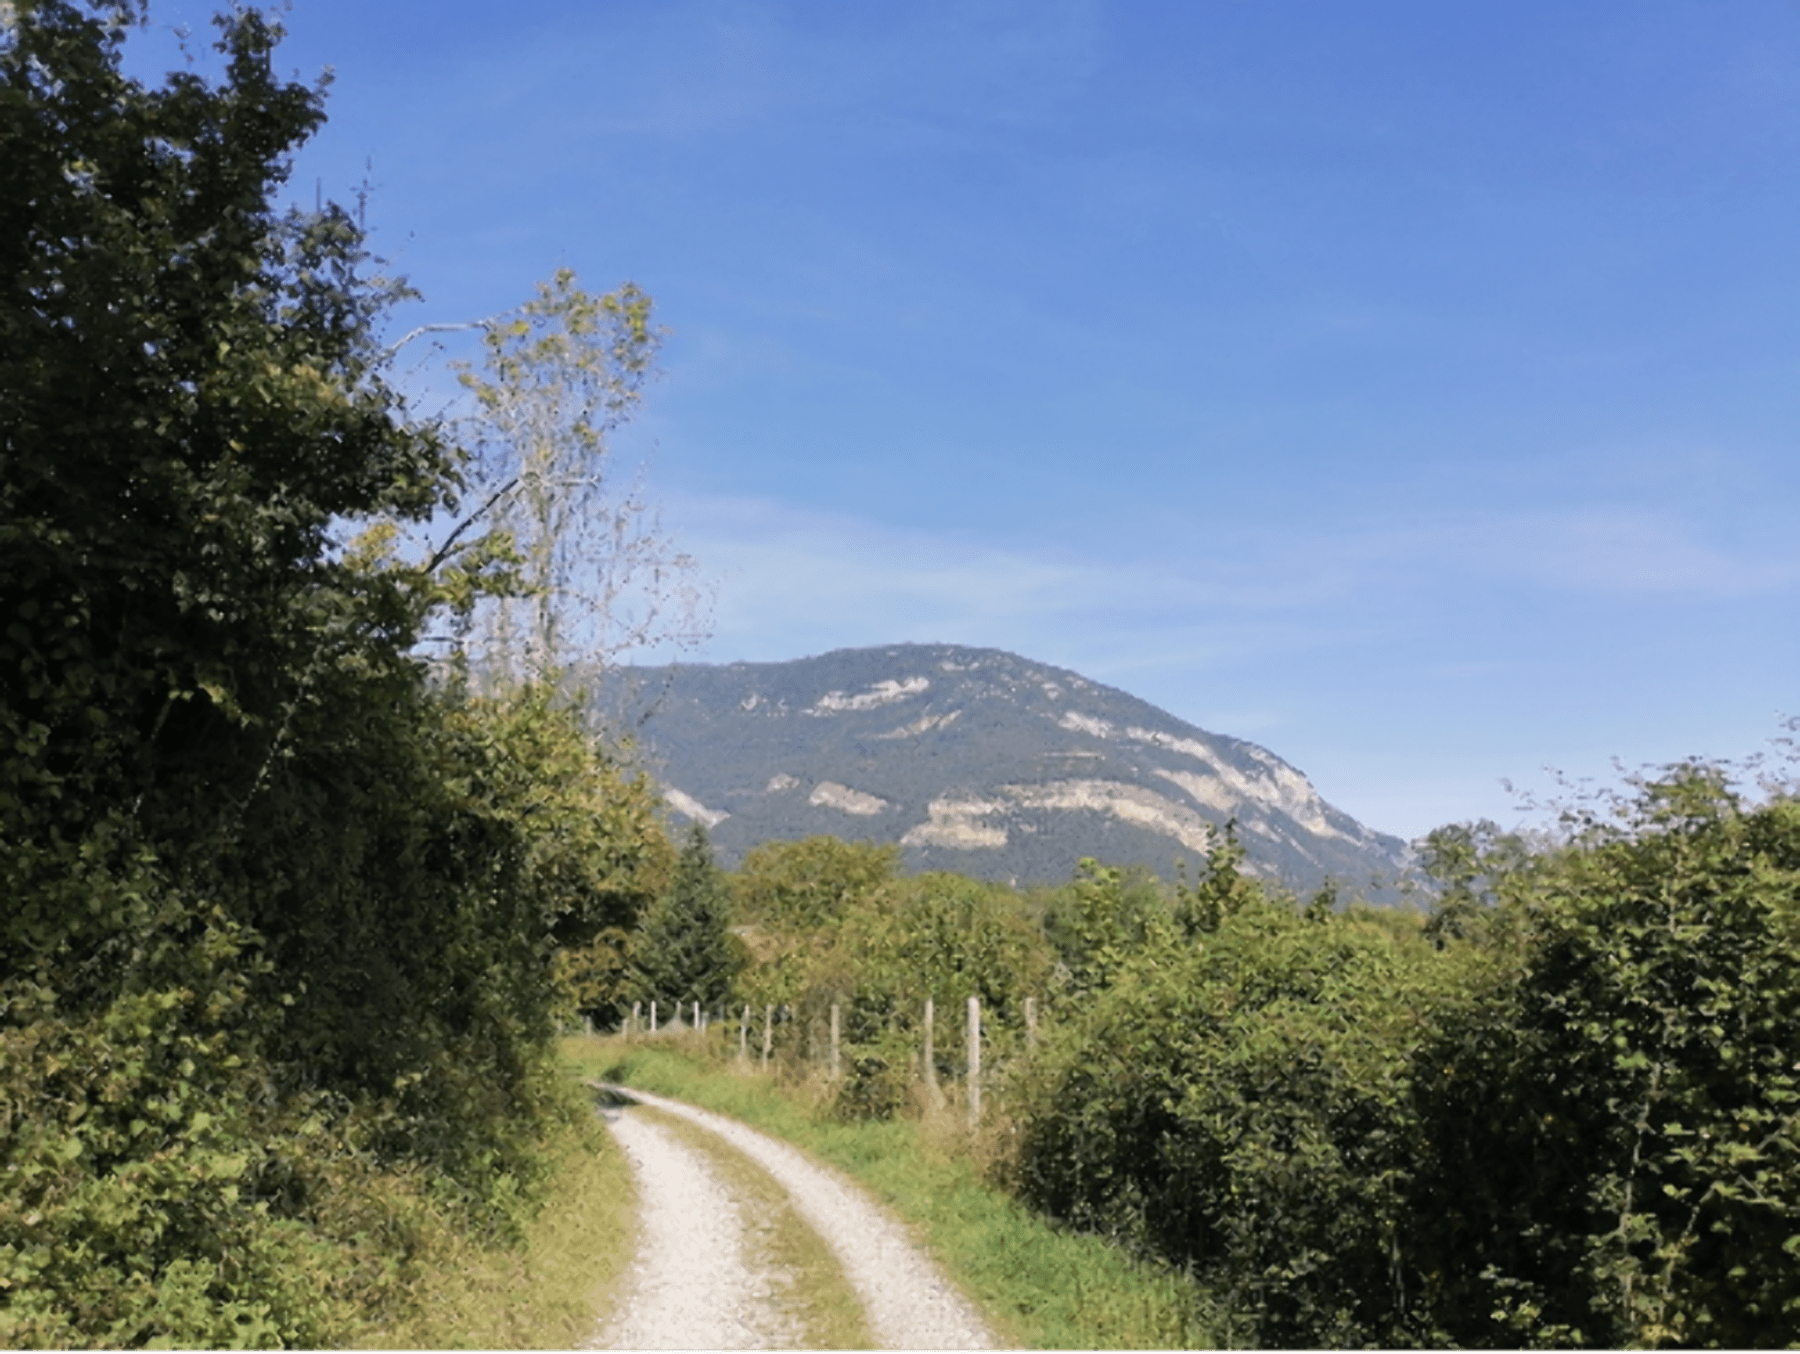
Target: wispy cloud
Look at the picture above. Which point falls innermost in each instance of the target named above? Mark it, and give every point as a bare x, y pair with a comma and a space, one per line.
798, 580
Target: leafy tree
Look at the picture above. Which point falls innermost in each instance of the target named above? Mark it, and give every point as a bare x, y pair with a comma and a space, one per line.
596, 573
272, 904
800, 886
1100, 919
684, 950
191, 398
1222, 889
1470, 863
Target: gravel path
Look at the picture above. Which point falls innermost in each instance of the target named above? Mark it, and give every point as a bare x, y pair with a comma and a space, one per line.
909, 1303
690, 1287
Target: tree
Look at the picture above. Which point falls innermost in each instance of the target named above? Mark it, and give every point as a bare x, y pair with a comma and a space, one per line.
1470, 863
596, 575
276, 911
1222, 889
189, 398
685, 952
1101, 919
799, 887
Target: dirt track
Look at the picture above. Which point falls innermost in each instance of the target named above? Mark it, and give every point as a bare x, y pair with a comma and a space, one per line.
692, 1287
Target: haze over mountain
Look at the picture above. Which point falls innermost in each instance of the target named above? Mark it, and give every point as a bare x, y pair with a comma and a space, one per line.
974, 760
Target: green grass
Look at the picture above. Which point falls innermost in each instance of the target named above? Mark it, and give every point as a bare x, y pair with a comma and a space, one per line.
1039, 1286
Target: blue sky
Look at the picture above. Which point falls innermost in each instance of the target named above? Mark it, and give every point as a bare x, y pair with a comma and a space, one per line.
1411, 388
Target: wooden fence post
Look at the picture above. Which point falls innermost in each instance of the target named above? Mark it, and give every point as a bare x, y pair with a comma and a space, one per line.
974, 1061
744, 1036
653, 1017
697, 1025
834, 1041
1031, 1022
931, 1087
768, 1034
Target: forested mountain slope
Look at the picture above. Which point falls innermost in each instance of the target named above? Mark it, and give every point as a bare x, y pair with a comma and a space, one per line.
974, 760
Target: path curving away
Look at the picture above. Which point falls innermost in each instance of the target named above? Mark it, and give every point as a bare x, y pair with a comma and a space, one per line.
909, 1303
690, 1286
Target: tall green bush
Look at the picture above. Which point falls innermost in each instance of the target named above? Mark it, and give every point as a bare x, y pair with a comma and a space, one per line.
1240, 1106
1614, 1157
1563, 1112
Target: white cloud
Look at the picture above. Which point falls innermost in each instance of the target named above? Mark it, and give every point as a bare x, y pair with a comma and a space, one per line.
795, 580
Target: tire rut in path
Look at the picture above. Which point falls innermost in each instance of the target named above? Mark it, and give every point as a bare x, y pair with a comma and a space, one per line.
910, 1305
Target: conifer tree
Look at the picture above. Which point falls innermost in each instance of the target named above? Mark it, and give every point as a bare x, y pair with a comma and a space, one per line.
685, 952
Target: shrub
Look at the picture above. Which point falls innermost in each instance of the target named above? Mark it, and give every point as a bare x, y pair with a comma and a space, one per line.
1240, 1106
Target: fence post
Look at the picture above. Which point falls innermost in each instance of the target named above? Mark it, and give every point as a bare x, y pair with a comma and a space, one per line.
1031, 1022
974, 1061
768, 1034
931, 1086
744, 1036
587, 1024
697, 1025
653, 1017
834, 1041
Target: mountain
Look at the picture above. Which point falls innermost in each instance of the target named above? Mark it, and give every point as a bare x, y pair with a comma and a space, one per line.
974, 760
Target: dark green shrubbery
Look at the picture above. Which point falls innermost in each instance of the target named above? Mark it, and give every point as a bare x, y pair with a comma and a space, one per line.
278, 915
1561, 1109
1578, 1127
1612, 1128
1239, 1104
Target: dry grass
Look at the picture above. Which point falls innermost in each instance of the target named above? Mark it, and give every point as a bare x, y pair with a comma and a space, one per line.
551, 1292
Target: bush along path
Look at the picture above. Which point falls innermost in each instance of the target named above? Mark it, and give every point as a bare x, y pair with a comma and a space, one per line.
700, 1281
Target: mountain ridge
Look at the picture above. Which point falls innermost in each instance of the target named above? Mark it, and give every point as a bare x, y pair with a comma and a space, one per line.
975, 760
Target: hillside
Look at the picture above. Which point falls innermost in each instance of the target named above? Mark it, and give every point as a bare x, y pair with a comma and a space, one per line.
974, 760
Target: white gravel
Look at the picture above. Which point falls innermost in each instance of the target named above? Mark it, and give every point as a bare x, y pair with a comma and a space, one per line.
909, 1303
690, 1286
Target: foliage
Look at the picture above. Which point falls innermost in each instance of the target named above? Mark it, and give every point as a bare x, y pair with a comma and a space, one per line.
835, 927
800, 886
1223, 888
1615, 1150
1470, 863
934, 935
463, 1291
1570, 1118
1240, 1106
1100, 920
280, 917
